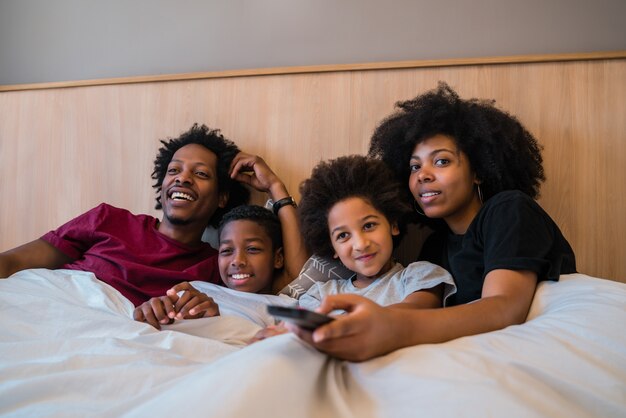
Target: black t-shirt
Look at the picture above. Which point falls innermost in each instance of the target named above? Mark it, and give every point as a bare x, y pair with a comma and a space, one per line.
511, 231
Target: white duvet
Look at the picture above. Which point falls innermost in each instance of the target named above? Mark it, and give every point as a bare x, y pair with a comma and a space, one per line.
69, 348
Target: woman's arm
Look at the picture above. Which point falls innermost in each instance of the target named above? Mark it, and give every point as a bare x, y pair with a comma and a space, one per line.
369, 330
35, 254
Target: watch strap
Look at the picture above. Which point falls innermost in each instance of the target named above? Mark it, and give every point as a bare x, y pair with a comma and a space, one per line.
289, 200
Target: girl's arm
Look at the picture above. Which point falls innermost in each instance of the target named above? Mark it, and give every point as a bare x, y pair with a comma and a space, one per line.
422, 299
369, 330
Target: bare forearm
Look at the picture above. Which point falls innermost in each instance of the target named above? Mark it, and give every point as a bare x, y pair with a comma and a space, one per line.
425, 326
293, 244
35, 254
7, 265
369, 330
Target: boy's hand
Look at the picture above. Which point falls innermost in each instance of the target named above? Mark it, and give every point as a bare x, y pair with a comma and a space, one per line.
156, 311
254, 171
192, 303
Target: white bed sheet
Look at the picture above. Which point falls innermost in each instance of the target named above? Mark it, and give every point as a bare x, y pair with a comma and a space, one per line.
69, 347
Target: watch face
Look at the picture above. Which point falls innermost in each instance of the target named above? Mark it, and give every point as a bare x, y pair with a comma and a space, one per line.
269, 205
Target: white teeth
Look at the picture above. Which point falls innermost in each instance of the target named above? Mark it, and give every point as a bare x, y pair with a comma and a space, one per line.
182, 196
429, 194
240, 276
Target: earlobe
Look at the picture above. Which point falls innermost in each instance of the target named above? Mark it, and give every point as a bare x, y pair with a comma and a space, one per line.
395, 230
279, 258
222, 200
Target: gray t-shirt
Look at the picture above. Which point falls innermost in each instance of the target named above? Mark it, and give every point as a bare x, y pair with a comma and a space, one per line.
393, 287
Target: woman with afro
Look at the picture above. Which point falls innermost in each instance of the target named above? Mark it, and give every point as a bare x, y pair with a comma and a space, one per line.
473, 172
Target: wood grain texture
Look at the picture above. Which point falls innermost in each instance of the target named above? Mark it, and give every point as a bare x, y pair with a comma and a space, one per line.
63, 151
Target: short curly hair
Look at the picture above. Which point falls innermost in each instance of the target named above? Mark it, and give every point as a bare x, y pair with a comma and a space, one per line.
502, 153
339, 179
224, 149
259, 215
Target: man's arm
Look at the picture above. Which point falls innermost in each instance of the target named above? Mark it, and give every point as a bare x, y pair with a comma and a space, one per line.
35, 254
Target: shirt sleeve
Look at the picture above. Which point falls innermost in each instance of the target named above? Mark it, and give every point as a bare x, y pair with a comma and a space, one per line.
424, 275
517, 235
75, 237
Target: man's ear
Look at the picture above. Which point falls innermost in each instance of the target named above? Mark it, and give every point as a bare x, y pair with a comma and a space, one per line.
395, 230
279, 258
222, 200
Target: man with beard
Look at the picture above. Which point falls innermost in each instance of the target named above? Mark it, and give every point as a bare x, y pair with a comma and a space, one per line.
198, 177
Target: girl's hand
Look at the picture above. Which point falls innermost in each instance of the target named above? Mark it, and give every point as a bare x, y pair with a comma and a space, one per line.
367, 329
191, 304
268, 332
156, 311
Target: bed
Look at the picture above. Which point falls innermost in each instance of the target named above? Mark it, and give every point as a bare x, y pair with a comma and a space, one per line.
69, 348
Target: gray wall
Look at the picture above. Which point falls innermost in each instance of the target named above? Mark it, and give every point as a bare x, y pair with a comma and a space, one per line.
63, 40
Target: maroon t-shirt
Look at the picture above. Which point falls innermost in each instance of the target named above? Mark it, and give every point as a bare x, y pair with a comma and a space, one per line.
129, 253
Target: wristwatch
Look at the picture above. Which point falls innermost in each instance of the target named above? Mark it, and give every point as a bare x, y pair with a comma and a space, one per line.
289, 200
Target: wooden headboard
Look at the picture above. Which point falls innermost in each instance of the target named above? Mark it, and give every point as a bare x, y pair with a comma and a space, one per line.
66, 147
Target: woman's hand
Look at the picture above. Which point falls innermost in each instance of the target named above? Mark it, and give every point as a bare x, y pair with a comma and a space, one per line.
367, 330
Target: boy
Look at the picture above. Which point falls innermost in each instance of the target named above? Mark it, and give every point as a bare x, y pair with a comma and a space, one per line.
250, 258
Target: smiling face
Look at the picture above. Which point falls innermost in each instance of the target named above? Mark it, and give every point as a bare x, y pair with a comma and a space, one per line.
443, 183
247, 258
189, 194
362, 238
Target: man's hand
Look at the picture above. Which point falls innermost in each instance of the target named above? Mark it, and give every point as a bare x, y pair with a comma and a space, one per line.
156, 311
163, 310
192, 303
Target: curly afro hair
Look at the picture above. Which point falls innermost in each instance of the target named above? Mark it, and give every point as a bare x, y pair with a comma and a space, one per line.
339, 179
224, 149
502, 153
259, 215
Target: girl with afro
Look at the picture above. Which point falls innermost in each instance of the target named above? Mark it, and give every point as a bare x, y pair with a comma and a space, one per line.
351, 209
473, 172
